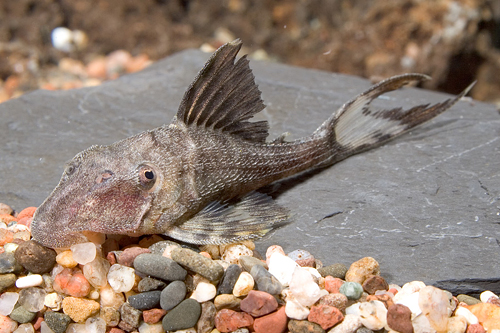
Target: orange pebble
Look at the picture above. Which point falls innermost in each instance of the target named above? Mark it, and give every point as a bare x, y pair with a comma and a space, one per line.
487, 314
6, 236
25, 221
6, 218
26, 212
206, 254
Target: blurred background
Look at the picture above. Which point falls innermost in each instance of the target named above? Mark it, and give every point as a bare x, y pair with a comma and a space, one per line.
65, 44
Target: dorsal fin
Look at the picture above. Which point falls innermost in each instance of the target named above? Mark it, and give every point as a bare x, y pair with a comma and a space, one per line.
224, 95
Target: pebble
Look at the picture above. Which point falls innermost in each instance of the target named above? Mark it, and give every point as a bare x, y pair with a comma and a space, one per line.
83, 253
302, 257
197, 263
79, 309
265, 281
469, 300
110, 298
7, 281
32, 298
294, 309
130, 315
273, 249
58, 322
22, 315
486, 295
7, 302
332, 284
325, 315
360, 270
31, 280
160, 267
71, 282
350, 324
110, 315
275, 322
10, 247
337, 300
205, 291
5, 209
150, 284
232, 253
151, 328
153, 316
121, 278
352, 290
161, 246
399, 318
464, 312
6, 236
96, 272
456, 324
146, 300
303, 287
373, 315
435, 305
95, 325
127, 256
281, 267
229, 279
487, 314
8, 263
304, 326
53, 301
227, 301
172, 295
184, 315
248, 262
65, 259
207, 318
258, 303
78, 328
475, 328
374, 283
228, 320
25, 328
7, 325
243, 285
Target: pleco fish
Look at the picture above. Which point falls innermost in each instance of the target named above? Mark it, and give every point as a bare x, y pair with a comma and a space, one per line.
196, 179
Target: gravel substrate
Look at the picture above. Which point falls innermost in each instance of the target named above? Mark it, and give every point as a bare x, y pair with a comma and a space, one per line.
151, 285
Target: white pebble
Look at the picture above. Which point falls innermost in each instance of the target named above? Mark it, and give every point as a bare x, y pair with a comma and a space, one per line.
233, 253
62, 39
486, 295
95, 325
282, 268
469, 316
121, 278
410, 301
84, 253
408, 289
151, 328
421, 324
243, 285
273, 249
53, 301
205, 291
7, 302
15, 228
31, 280
435, 304
293, 309
25, 328
10, 247
96, 272
353, 309
110, 298
303, 287
350, 324
44, 328
373, 315
76, 328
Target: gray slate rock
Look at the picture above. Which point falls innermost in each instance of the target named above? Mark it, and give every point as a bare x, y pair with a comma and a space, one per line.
229, 279
184, 315
197, 263
146, 300
159, 266
58, 322
172, 295
424, 205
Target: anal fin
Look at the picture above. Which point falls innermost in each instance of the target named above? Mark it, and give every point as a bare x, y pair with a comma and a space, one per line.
251, 217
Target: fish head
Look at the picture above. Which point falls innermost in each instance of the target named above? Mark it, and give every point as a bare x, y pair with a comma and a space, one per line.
105, 189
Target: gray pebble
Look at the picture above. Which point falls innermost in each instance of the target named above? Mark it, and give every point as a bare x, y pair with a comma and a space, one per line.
146, 300
172, 295
265, 281
469, 300
207, 319
335, 270
159, 247
8, 263
35, 258
184, 315
364, 330
58, 322
159, 266
150, 284
197, 263
130, 315
21, 315
7, 281
229, 279
247, 262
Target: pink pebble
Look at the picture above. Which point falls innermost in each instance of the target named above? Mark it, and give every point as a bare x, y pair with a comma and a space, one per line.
72, 282
332, 285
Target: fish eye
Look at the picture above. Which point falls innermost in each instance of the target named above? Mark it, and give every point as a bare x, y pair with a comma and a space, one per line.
147, 176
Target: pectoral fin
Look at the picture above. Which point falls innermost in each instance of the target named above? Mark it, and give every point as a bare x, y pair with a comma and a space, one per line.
251, 217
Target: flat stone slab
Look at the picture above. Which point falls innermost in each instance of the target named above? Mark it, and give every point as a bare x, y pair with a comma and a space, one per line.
425, 205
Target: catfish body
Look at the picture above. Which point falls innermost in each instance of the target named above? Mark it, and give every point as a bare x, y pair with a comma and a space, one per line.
195, 179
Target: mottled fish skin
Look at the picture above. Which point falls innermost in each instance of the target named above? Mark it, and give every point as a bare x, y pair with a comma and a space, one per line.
196, 179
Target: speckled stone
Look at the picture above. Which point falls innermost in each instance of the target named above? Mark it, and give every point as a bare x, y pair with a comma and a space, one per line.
21, 315
130, 315
352, 290
184, 315
35, 258
247, 262
360, 270
469, 300
8, 263
7, 281
146, 300
150, 284
265, 281
79, 309
302, 257
304, 326
335, 270
229, 279
159, 267
207, 319
172, 295
227, 301
58, 322
337, 300
153, 316
197, 263
159, 247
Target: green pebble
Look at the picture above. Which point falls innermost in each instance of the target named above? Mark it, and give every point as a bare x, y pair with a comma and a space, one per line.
335, 270
352, 290
469, 300
7, 281
21, 315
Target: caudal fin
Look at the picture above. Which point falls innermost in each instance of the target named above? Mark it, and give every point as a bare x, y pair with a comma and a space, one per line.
356, 127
